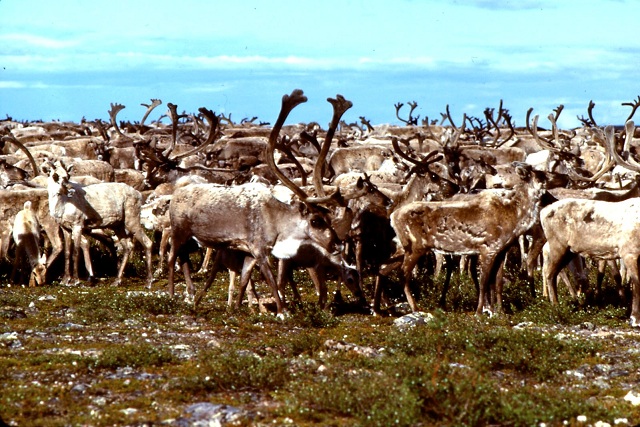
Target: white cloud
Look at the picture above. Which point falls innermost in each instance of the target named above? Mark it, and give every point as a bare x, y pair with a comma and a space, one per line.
12, 85
209, 88
526, 63
24, 40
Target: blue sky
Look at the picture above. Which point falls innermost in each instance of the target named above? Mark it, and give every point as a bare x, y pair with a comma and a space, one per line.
66, 59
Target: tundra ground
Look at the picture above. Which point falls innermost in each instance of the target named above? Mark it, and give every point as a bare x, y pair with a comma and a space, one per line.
102, 356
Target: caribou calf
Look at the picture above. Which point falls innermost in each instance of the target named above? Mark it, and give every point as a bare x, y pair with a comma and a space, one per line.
484, 224
26, 236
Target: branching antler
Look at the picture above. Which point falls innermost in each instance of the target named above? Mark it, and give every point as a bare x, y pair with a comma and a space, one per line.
588, 122
480, 129
448, 117
543, 142
557, 110
488, 113
340, 106
412, 121
226, 119
248, 120
214, 133
533, 130
508, 121
150, 107
366, 123
634, 106
608, 163
289, 102
173, 114
285, 146
312, 139
630, 163
113, 112
432, 157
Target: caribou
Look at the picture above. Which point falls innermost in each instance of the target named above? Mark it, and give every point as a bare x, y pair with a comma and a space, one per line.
26, 236
250, 218
483, 224
604, 230
79, 209
314, 221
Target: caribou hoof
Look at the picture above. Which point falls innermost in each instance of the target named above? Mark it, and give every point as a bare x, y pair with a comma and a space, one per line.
71, 283
634, 322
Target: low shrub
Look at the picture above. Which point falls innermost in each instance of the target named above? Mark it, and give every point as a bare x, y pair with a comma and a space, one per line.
134, 355
218, 371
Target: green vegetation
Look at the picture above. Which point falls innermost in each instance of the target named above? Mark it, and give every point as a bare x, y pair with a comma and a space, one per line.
125, 356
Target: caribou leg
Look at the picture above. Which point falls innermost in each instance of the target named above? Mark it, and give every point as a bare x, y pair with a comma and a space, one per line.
555, 259
631, 262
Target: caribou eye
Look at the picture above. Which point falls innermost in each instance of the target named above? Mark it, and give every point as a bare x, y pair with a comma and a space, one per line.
317, 223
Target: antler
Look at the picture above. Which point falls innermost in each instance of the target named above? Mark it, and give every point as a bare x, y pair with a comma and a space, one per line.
173, 114
150, 107
398, 107
634, 106
590, 122
214, 132
432, 157
12, 139
507, 119
286, 149
554, 127
502, 114
533, 130
113, 112
630, 163
366, 123
609, 159
289, 102
340, 106
412, 120
448, 117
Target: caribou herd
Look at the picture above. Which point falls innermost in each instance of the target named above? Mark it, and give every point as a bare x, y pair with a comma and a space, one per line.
349, 202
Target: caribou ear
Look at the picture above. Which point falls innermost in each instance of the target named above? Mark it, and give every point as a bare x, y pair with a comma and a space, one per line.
303, 208
523, 170
338, 199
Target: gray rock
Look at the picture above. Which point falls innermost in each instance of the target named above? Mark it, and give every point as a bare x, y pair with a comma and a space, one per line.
412, 319
210, 414
10, 339
80, 388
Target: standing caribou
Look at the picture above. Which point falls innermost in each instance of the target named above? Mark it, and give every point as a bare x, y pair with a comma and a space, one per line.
483, 224
26, 236
256, 223
80, 209
250, 218
597, 229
